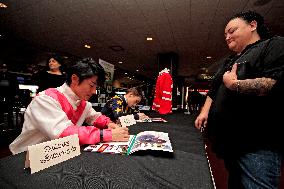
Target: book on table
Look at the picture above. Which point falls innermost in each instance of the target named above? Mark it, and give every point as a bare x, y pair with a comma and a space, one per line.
155, 119
146, 140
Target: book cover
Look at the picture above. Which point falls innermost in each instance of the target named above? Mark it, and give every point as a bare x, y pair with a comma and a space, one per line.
109, 147
146, 140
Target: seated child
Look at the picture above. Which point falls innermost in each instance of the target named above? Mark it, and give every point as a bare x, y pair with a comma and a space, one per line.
124, 105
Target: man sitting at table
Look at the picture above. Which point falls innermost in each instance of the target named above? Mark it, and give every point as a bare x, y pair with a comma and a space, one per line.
124, 105
60, 112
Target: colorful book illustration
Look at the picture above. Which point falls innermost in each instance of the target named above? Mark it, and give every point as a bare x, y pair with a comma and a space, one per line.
109, 147
150, 140
146, 140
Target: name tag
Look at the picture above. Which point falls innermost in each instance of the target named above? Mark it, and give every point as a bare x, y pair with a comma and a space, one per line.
46, 154
127, 120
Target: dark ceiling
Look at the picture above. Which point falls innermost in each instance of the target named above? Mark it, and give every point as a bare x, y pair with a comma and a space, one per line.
117, 30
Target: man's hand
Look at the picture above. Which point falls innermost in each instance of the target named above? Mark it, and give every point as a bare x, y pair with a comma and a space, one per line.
142, 116
120, 134
201, 121
230, 78
112, 125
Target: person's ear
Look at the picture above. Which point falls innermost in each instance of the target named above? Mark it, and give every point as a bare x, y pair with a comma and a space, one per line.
253, 25
74, 79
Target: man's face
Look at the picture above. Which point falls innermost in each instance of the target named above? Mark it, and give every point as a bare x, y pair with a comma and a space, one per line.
133, 100
86, 88
238, 34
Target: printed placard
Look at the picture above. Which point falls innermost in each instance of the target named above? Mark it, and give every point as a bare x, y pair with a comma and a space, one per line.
127, 120
46, 154
109, 71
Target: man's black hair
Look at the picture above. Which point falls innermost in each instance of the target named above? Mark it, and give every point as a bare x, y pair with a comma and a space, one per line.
86, 68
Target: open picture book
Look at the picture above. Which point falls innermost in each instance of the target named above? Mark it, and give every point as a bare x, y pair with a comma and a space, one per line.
146, 140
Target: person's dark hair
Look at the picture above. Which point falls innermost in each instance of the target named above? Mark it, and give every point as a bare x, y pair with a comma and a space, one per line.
135, 91
56, 57
59, 59
86, 68
250, 16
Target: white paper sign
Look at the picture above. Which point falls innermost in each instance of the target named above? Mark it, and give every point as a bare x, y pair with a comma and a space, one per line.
46, 154
127, 120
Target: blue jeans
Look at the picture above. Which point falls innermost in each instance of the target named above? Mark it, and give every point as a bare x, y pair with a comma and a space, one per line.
257, 170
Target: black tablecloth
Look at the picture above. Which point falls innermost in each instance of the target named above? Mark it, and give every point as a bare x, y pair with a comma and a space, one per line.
186, 167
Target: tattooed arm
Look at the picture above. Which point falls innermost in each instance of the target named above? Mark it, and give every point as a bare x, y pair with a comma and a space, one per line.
257, 86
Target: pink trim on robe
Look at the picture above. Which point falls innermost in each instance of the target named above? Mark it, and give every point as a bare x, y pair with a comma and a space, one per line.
102, 122
107, 136
79, 112
87, 134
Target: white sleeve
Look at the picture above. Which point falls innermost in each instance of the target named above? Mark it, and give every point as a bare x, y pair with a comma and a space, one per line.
47, 116
92, 114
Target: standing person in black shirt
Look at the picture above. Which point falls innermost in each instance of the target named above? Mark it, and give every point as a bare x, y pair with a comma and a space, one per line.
53, 77
239, 112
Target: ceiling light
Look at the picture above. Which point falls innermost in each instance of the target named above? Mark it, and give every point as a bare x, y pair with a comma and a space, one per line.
125, 73
120, 62
2, 5
209, 57
87, 46
137, 70
149, 38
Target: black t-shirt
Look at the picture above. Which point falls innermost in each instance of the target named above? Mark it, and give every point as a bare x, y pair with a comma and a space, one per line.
240, 123
45, 80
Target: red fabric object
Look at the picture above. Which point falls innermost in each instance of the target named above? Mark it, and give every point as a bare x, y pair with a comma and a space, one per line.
101, 122
162, 102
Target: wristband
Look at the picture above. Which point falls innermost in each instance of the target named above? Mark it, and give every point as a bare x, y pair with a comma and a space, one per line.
101, 135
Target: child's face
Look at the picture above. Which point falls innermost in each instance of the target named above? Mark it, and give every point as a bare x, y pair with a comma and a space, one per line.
133, 100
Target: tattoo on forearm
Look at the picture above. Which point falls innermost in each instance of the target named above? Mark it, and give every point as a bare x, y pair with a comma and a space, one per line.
257, 86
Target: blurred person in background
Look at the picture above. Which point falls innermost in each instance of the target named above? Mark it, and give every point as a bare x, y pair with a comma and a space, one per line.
53, 77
